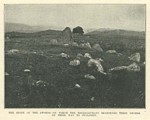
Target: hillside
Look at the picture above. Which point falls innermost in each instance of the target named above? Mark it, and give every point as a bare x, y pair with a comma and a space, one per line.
18, 27
117, 33
35, 34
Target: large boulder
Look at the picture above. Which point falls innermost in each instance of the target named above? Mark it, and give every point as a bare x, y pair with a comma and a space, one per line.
135, 57
97, 47
66, 36
97, 64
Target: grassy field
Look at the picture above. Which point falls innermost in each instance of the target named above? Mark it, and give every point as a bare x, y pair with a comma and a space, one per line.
118, 90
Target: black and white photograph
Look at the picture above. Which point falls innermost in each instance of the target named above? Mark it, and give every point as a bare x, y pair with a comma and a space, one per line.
74, 56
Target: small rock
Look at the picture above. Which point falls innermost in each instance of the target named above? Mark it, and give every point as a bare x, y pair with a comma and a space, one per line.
6, 74
88, 76
135, 57
133, 67
87, 55
111, 51
34, 52
66, 44
13, 51
77, 86
41, 83
64, 55
79, 56
92, 98
86, 45
27, 70
119, 54
74, 62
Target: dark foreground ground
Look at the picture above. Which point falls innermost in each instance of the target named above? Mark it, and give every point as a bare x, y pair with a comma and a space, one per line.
118, 90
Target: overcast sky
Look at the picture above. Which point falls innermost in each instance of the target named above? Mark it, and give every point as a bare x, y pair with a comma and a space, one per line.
130, 17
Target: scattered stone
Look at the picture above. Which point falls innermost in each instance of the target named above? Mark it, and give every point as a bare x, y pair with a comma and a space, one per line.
111, 51
92, 98
79, 56
74, 62
13, 51
41, 83
34, 52
66, 44
100, 59
97, 64
64, 55
6, 74
97, 47
77, 86
27, 70
118, 68
75, 44
119, 54
88, 76
86, 45
87, 55
135, 57
133, 67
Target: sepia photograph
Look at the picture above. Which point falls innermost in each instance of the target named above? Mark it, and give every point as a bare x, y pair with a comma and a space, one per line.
74, 56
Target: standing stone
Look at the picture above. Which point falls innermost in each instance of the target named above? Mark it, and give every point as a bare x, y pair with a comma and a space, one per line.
66, 36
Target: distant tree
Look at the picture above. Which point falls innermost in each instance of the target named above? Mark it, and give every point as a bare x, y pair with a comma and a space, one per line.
78, 30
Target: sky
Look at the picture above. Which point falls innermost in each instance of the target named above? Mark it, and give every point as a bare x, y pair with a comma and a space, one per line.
116, 16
